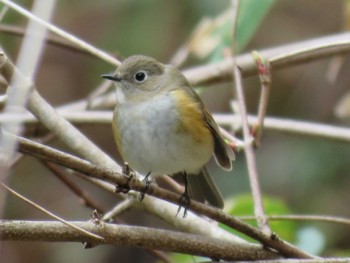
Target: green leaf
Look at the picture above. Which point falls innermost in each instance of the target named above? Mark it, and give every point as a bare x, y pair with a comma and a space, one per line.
243, 205
214, 35
251, 13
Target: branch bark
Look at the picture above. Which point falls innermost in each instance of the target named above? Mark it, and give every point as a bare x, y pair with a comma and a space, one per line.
124, 235
280, 57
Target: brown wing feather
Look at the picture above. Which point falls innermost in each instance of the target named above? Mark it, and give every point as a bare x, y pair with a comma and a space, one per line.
222, 152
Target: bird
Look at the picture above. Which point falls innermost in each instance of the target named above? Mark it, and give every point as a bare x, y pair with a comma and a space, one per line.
162, 127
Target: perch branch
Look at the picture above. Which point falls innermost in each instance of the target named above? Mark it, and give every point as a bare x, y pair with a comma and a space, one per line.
124, 235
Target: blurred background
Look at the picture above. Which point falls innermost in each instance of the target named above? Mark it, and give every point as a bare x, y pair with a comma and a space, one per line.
299, 174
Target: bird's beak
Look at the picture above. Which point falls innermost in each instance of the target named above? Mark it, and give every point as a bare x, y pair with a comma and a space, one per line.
112, 77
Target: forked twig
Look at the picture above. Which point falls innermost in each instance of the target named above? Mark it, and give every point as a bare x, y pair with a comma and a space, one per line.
250, 158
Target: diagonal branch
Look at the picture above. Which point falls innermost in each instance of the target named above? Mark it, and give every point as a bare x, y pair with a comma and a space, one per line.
40, 208
83, 195
51, 39
84, 45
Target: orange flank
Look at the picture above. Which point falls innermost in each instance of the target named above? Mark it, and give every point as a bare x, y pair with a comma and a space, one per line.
191, 120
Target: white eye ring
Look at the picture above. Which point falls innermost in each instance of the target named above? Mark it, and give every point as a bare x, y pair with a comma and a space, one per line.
140, 76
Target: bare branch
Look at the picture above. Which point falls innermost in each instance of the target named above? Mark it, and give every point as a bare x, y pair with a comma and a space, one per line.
297, 53
84, 196
250, 157
248, 150
302, 128
124, 235
119, 209
82, 44
265, 81
51, 39
313, 218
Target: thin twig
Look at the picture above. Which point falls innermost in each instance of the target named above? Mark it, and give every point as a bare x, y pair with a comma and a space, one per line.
302, 128
118, 209
248, 150
312, 218
50, 39
84, 45
250, 157
233, 142
265, 82
85, 232
84, 196
100, 90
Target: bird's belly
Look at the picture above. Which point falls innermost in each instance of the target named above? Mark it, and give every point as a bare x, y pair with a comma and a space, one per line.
152, 142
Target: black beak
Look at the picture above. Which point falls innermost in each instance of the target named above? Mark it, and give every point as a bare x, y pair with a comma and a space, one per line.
111, 77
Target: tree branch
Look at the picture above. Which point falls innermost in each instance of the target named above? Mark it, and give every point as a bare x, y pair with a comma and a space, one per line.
250, 156
52, 39
82, 44
297, 53
124, 235
312, 218
302, 128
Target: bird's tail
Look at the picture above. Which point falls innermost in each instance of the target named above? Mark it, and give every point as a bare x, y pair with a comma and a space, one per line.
203, 188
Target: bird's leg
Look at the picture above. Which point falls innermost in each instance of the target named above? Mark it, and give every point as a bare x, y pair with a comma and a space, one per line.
185, 197
127, 171
148, 183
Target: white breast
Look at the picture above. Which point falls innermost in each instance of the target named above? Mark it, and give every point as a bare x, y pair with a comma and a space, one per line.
151, 142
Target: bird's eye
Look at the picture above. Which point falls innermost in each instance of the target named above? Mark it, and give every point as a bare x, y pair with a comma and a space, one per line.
140, 76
